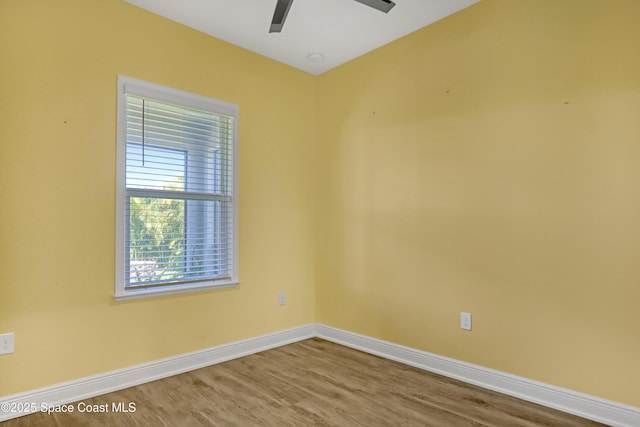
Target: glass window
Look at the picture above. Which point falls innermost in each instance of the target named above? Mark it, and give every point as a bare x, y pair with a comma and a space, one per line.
176, 191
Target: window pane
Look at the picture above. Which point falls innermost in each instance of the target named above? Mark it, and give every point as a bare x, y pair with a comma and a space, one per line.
174, 240
209, 239
156, 240
155, 168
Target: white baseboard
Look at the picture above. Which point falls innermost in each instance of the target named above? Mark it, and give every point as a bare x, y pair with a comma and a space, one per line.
594, 408
97, 385
583, 405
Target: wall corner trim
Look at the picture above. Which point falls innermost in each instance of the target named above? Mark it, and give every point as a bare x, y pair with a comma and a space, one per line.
583, 405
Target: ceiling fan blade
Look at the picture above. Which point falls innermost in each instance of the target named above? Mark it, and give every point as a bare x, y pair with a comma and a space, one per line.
279, 15
381, 5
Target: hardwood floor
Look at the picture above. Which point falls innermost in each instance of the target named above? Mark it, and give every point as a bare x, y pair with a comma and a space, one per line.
309, 383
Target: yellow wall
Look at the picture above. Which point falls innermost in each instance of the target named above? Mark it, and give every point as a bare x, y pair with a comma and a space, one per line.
487, 163
490, 163
59, 62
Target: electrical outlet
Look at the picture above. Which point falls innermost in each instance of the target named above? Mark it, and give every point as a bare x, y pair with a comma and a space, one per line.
6, 343
465, 321
282, 298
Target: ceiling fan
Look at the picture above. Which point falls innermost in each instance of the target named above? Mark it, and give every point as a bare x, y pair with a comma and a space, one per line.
283, 6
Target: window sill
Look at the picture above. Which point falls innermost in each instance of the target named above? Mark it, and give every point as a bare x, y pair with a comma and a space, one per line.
149, 293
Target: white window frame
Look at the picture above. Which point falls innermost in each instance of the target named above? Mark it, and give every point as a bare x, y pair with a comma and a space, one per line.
131, 86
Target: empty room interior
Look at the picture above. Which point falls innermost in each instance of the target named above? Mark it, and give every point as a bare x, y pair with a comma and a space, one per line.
486, 163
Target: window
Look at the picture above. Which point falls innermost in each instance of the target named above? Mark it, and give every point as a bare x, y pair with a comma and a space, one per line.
176, 191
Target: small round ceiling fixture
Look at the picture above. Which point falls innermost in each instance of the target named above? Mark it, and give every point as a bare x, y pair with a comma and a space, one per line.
315, 57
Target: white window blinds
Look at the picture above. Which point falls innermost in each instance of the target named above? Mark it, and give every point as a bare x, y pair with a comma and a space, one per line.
179, 194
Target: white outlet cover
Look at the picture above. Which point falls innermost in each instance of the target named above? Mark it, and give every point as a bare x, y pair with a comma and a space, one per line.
465, 321
6, 343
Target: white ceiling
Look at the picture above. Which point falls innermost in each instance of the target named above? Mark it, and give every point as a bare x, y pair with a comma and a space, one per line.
340, 30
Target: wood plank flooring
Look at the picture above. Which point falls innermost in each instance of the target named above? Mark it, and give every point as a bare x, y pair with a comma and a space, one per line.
309, 383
